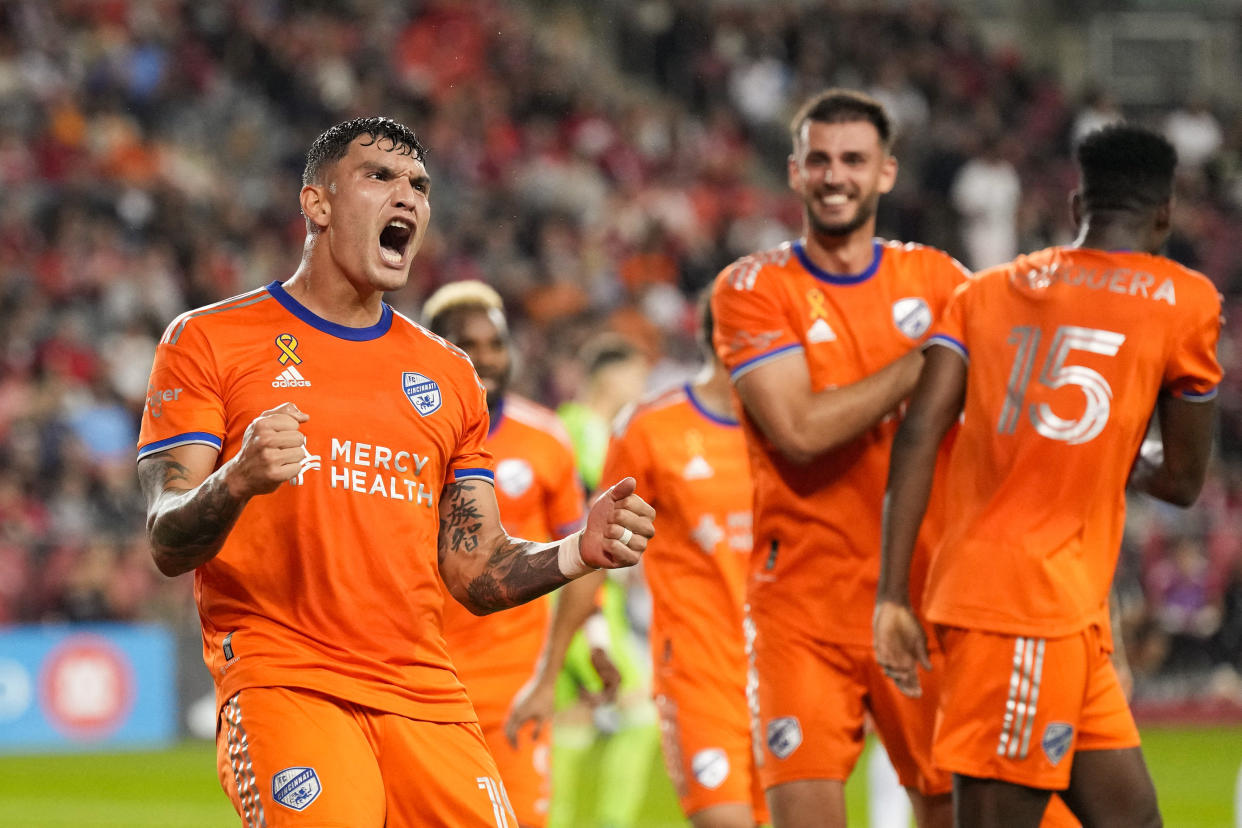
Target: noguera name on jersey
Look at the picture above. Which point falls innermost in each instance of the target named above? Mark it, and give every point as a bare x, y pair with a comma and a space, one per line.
1115, 280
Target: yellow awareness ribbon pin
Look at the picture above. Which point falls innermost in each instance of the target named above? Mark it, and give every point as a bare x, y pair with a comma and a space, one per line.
287, 344
819, 304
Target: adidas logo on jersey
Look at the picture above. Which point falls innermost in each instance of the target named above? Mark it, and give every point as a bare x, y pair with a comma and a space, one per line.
820, 331
290, 378
697, 469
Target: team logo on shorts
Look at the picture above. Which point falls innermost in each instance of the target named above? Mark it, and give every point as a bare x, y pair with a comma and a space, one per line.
912, 316
423, 393
296, 788
1056, 741
710, 767
784, 736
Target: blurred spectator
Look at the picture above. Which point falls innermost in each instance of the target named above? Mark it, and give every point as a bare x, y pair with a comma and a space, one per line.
986, 192
1187, 601
1195, 133
1098, 109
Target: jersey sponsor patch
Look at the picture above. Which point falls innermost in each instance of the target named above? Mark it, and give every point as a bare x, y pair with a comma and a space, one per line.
156, 397
296, 787
710, 767
912, 316
1056, 741
784, 736
707, 533
423, 393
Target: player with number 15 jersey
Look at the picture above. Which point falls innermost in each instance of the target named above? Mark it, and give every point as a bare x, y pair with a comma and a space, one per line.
1055, 364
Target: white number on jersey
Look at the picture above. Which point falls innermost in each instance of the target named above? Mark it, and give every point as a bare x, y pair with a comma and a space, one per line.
1056, 374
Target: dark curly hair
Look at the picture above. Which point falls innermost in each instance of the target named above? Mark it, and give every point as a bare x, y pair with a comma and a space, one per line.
1125, 167
332, 145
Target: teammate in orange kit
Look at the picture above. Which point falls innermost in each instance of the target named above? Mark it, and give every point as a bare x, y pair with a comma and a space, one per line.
540, 496
686, 451
820, 338
319, 462
1056, 363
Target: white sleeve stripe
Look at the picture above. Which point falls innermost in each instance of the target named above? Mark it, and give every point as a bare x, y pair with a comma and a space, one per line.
752, 364
950, 343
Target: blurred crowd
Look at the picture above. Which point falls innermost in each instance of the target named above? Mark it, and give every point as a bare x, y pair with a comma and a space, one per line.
597, 163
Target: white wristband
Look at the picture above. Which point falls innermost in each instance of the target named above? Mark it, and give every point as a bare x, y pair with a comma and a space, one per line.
570, 559
596, 632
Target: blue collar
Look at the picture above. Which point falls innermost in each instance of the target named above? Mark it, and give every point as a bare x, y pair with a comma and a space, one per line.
332, 328
702, 409
838, 278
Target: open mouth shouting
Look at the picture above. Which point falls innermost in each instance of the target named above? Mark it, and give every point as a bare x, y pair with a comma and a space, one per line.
394, 241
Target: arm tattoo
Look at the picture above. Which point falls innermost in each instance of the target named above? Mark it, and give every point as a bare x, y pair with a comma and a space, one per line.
514, 572
186, 526
460, 520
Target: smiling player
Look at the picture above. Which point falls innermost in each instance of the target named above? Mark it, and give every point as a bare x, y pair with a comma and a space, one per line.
820, 337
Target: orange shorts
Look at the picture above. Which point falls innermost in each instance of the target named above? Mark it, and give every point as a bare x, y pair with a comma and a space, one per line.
524, 769
291, 757
708, 749
1016, 708
813, 699
1058, 815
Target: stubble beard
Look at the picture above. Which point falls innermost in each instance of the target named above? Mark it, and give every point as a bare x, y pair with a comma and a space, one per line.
864, 214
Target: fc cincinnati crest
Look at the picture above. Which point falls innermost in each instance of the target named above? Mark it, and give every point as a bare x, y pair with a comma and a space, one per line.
912, 316
784, 736
1056, 742
423, 393
296, 788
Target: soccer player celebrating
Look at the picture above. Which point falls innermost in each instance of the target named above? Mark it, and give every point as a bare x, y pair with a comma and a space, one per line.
820, 337
1055, 363
318, 461
539, 496
685, 449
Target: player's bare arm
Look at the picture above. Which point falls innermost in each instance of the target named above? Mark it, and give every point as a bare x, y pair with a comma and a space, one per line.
192, 505
900, 646
487, 570
1174, 468
804, 424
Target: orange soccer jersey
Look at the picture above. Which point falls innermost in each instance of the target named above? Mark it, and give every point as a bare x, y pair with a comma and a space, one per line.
691, 466
330, 583
817, 526
1067, 351
540, 498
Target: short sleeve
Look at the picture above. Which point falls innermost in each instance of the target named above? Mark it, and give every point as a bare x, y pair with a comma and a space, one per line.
184, 400
751, 326
472, 460
1193, 371
949, 330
